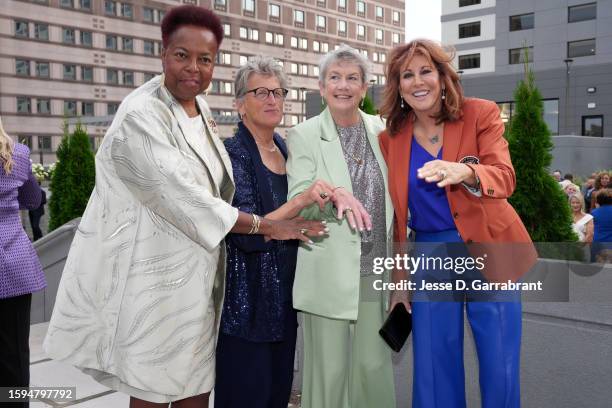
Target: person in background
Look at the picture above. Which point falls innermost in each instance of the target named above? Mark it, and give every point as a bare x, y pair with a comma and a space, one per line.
582, 222
20, 270
557, 175
139, 301
587, 191
601, 249
601, 181
450, 177
346, 363
35, 215
256, 345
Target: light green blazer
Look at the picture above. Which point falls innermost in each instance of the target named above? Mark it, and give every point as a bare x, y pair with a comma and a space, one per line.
327, 274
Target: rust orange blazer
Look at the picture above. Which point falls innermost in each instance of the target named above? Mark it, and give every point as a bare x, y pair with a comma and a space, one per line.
476, 137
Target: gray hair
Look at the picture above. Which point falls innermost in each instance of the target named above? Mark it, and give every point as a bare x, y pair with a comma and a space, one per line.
344, 53
261, 65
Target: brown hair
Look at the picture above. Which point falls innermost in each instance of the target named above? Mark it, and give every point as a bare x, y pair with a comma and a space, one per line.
441, 59
598, 184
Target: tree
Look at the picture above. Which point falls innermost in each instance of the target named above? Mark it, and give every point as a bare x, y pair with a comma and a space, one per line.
368, 105
540, 202
73, 179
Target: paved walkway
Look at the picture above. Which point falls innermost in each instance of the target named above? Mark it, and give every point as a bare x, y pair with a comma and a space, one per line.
45, 372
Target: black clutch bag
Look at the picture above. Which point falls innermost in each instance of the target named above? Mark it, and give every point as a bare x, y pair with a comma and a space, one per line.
397, 327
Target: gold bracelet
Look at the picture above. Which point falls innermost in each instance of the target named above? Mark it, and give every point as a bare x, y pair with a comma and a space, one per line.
257, 223
253, 223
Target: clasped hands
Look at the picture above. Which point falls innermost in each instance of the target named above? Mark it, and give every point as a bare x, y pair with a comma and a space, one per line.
346, 204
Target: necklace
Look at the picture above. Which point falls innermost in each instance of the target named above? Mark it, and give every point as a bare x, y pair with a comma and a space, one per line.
362, 132
268, 149
434, 139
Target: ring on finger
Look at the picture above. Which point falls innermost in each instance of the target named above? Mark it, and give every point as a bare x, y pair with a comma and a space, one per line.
442, 174
323, 195
348, 209
303, 231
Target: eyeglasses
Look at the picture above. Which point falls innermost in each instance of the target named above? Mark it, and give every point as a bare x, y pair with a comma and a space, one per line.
262, 93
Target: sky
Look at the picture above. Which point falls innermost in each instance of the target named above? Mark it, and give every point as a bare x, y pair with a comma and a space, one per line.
423, 19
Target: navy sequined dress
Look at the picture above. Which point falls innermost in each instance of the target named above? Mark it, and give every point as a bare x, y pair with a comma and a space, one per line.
260, 274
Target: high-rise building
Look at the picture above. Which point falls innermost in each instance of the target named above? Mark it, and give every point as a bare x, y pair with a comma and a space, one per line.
568, 44
79, 58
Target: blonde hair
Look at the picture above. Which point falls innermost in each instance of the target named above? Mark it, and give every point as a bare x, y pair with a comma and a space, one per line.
6, 150
578, 197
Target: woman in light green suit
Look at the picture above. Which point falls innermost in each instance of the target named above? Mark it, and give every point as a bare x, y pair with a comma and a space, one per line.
346, 363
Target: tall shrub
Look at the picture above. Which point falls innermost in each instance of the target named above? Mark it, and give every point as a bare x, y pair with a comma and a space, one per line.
538, 199
73, 179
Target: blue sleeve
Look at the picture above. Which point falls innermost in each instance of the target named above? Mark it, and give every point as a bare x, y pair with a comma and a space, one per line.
245, 198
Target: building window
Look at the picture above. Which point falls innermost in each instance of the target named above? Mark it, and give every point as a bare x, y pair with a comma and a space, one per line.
127, 44
26, 140
361, 31
224, 58
66, 4
22, 29
44, 143
274, 11
69, 72
274, 38
148, 47
465, 3
42, 69
321, 23
380, 13
41, 31
148, 76
85, 4
298, 18
361, 8
342, 27
396, 17
247, 33
148, 15
221, 87
517, 55
111, 42
87, 109
127, 11
22, 67
24, 105
43, 106
112, 76
521, 22
469, 61
86, 38
68, 36
227, 30
322, 3
86, 74
592, 125
581, 48
379, 36
70, 108
242, 59
342, 5
128, 78
248, 5
396, 38
550, 113
468, 30
110, 8
582, 12
220, 5
111, 108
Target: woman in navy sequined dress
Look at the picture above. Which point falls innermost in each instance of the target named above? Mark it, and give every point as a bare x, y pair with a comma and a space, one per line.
256, 345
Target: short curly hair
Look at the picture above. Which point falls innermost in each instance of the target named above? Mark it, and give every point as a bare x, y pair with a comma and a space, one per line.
194, 16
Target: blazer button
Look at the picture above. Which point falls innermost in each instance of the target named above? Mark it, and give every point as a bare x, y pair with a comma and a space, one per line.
469, 241
456, 215
490, 191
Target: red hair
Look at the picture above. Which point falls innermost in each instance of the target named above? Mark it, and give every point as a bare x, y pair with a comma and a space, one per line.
439, 58
193, 16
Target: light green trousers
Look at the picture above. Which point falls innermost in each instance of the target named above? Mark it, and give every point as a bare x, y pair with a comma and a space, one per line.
346, 362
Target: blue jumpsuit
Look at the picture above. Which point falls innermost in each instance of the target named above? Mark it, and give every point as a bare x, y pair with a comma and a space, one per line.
439, 378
